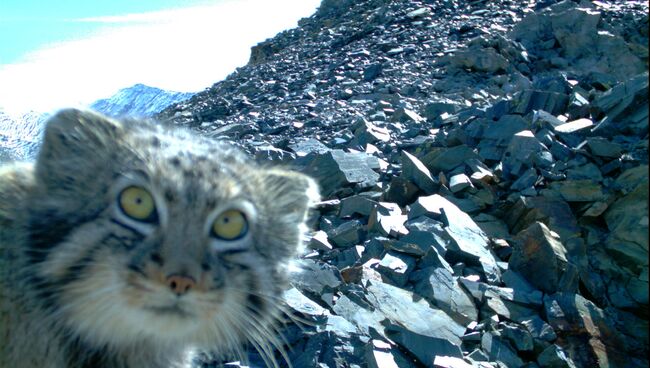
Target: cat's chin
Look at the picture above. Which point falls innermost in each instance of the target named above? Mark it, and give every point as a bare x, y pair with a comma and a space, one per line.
172, 311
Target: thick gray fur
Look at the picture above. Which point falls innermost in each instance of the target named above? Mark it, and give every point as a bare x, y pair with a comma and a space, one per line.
83, 286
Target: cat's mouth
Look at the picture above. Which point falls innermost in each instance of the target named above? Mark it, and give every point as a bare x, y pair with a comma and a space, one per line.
175, 310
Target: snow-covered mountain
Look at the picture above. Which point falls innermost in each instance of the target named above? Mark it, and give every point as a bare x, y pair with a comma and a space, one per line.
138, 101
20, 135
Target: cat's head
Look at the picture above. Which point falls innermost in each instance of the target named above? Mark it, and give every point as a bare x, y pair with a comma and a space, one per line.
141, 233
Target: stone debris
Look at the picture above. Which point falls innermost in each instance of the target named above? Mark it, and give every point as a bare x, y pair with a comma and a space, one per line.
541, 258
484, 171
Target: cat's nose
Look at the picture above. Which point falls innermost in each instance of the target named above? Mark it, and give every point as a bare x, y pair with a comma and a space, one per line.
180, 284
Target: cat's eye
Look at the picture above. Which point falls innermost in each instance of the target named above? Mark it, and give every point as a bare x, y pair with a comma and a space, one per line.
137, 203
230, 225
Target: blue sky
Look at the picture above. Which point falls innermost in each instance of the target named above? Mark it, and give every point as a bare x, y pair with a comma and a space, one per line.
27, 24
69, 53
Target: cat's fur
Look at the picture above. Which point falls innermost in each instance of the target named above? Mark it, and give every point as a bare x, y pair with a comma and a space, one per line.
81, 287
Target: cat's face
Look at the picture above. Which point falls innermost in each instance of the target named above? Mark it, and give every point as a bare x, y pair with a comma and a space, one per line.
143, 235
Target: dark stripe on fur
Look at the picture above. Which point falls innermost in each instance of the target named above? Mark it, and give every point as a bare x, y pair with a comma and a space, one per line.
76, 271
45, 233
254, 303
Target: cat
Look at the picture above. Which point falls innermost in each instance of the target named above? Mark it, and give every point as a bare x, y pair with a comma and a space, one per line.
128, 244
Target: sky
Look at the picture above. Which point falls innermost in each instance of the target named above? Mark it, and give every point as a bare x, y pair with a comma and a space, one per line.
56, 54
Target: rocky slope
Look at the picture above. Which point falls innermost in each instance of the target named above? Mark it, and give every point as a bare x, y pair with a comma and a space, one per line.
138, 101
484, 166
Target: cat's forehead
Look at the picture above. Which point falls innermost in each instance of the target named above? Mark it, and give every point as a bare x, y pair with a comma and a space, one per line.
179, 162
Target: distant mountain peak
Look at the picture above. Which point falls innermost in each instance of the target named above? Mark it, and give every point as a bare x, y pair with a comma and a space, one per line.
138, 100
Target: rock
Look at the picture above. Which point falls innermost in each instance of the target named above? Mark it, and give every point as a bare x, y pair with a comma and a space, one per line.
503, 308
415, 171
357, 205
501, 131
526, 181
588, 171
625, 107
543, 119
413, 325
367, 132
498, 349
424, 348
401, 191
554, 356
383, 355
459, 182
574, 126
602, 147
540, 257
518, 337
584, 190
487, 60
539, 329
441, 288
387, 219
402, 309
349, 257
403, 115
433, 110
480, 171
396, 267
577, 31
478, 356
418, 13
627, 220
493, 227
468, 242
529, 298
300, 303
529, 100
520, 152
319, 241
554, 213
446, 159
515, 281
337, 169
347, 234
408, 248
269, 153
306, 146
372, 71
316, 278
428, 241
450, 362
587, 334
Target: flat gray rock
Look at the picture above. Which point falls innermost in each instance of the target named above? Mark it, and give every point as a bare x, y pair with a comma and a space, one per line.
405, 309
396, 267
443, 290
415, 171
500, 350
469, 242
337, 169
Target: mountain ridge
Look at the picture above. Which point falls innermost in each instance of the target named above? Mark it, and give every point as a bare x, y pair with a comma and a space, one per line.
138, 100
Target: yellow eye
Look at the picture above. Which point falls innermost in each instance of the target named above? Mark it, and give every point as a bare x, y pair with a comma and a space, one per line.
137, 203
230, 225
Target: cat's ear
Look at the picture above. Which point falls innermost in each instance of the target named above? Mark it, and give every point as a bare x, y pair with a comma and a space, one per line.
75, 138
292, 192
78, 132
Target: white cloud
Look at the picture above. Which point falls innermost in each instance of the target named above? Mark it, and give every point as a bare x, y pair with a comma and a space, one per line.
184, 50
